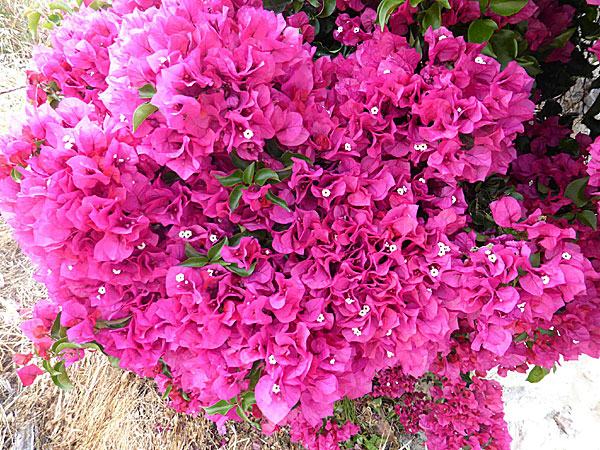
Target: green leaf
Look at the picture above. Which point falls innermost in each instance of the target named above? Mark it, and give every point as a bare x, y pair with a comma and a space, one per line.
575, 191
481, 30
286, 158
277, 6
167, 391
561, 40
16, 175
59, 4
231, 179
248, 400
241, 272
521, 337
191, 252
235, 196
93, 346
537, 374
534, 259
588, 218
415, 3
214, 252
147, 91
264, 175
432, 18
114, 361
242, 415
444, 3
507, 7
55, 330
185, 395
530, 64
276, 200
113, 324
284, 173
55, 18
141, 113
504, 46
385, 10
48, 368
222, 407
328, 8
61, 378
248, 174
195, 261
33, 19
237, 161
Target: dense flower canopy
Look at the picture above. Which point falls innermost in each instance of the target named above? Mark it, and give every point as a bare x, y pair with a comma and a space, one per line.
261, 219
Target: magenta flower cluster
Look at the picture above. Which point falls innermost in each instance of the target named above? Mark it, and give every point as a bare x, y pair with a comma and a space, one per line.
343, 249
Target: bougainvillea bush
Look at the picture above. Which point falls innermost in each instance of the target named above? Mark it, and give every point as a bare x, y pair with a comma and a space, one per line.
273, 209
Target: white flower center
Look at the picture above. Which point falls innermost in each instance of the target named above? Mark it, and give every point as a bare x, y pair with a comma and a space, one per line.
179, 277
349, 300
213, 238
480, 60
321, 318
116, 271
356, 331
356, 30
101, 290
566, 255
276, 389
434, 272
389, 354
347, 146
374, 110
545, 279
248, 134
325, 193
272, 360
340, 29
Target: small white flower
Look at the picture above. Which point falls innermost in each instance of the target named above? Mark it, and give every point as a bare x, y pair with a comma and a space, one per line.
566, 255
272, 360
349, 300
122, 118
325, 193
332, 361
116, 271
488, 252
70, 267
402, 190
248, 134
545, 279
474, 249
211, 272
101, 290
347, 146
393, 248
575, 342
434, 272
276, 389
459, 109
335, 237
453, 199
187, 234
356, 30
213, 238
340, 29
530, 183
267, 251
69, 145
363, 313
441, 252
442, 37
142, 246
374, 110
179, 277
321, 318
356, 331
182, 234
386, 71
429, 290
493, 258
480, 60
422, 180
389, 333
389, 354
